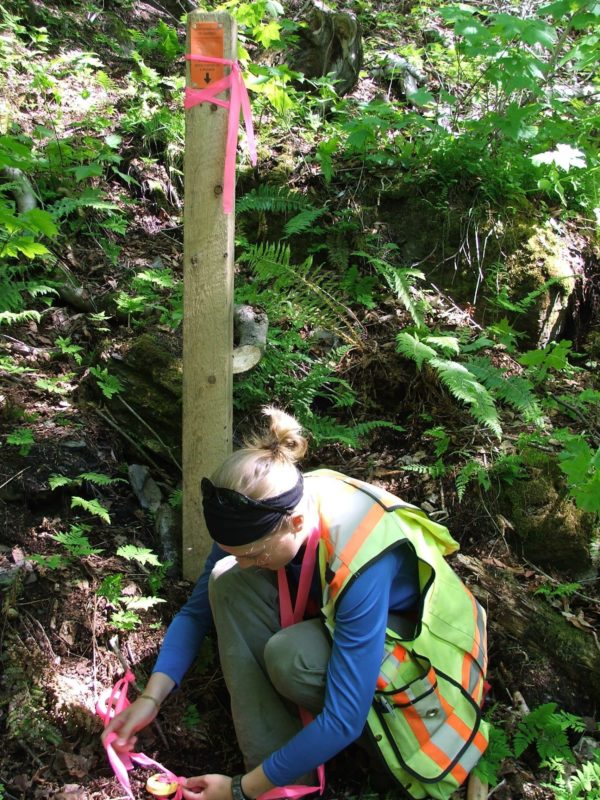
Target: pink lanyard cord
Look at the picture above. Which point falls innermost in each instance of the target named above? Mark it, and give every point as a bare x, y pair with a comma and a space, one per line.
291, 616
109, 705
238, 101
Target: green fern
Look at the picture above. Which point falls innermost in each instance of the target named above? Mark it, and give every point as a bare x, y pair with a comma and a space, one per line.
140, 554
410, 346
447, 344
497, 752
437, 470
12, 318
547, 728
277, 200
306, 286
515, 391
472, 470
401, 281
303, 221
456, 377
92, 507
27, 720
326, 429
463, 385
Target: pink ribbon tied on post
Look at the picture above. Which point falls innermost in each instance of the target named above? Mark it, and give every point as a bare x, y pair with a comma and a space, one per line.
238, 101
109, 705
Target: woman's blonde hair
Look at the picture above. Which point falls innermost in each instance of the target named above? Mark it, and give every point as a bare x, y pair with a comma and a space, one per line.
266, 465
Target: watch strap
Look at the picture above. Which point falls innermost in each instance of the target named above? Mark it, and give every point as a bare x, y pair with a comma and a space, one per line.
236, 788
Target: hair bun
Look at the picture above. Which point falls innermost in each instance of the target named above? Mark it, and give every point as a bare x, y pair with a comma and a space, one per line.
283, 436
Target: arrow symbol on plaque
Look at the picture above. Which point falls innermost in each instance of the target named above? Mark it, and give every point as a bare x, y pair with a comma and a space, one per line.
207, 78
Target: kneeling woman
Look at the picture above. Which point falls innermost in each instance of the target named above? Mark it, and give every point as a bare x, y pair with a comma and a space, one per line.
382, 638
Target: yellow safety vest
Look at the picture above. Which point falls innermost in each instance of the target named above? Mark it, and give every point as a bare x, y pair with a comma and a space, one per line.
426, 713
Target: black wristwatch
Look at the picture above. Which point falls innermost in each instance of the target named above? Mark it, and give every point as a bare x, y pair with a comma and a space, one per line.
236, 788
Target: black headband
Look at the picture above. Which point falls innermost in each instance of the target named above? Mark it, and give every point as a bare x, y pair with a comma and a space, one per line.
235, 519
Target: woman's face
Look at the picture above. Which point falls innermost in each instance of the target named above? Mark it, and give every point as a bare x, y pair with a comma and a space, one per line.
273, 551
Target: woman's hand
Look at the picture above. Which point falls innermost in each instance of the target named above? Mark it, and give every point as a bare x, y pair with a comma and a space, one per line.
208, 787
131, 720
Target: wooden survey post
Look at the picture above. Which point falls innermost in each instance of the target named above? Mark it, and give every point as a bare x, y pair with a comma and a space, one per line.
208, 284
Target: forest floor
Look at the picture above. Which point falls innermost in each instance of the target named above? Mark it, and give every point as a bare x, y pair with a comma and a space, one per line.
60, 651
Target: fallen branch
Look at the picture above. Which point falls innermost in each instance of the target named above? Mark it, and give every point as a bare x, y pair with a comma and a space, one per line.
21, 188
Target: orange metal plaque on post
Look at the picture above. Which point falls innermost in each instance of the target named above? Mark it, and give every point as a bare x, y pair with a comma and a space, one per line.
206, 40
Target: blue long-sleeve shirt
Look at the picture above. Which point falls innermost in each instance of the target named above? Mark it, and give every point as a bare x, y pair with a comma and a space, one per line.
361, 620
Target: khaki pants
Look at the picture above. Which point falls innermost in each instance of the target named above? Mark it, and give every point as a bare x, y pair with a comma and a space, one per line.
268, 670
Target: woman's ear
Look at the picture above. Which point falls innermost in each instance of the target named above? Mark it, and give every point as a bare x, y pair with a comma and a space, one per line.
297, 522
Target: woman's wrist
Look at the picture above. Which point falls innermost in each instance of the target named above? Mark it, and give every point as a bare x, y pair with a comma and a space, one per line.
237, 790
149, 697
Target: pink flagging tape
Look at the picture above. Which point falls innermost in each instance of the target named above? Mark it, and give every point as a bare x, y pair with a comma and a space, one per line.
238, 101
114, 701
109, 705
290, 616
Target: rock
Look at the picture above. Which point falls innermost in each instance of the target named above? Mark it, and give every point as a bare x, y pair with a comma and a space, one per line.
542, 277
396, 69
144, 487
331, 44
168, 529
547, 527
150, 368
544, 256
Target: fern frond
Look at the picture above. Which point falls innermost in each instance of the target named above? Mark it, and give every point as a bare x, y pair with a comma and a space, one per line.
276, 199
11, 318
470, 471
436, 470
326, 429
39, 289
338, 248
401, 281
306, 285
463, 385
515, 391
303, 221
448, 344
410, 346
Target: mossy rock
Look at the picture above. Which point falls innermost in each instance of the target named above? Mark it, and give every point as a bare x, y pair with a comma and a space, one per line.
150, 368
471, 255
548, 528
541, 258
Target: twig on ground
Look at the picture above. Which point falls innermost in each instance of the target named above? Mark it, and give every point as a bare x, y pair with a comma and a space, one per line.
109, 419
31, 754
152, 431
2, 485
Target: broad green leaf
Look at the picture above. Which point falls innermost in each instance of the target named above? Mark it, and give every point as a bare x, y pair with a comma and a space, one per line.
539, 32
267, 34
87, 171
28, 247
113, 140
39, 220
422, 97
